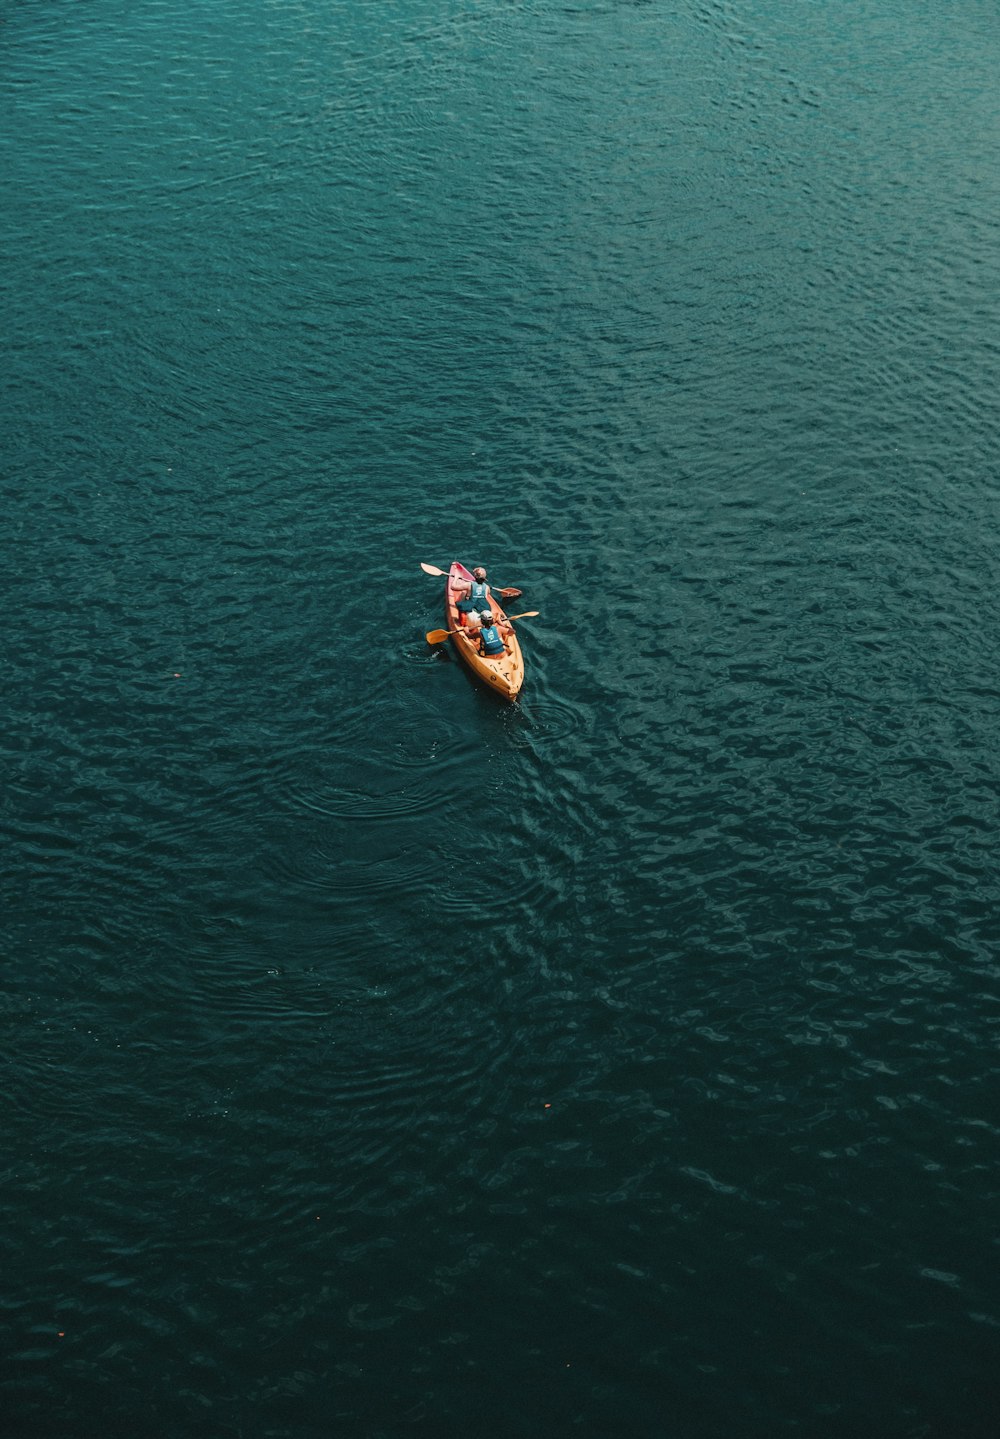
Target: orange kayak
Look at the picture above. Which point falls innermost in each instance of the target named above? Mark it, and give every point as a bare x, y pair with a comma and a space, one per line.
503, 673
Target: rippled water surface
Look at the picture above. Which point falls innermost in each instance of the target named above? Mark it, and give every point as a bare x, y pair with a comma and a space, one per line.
380, 1059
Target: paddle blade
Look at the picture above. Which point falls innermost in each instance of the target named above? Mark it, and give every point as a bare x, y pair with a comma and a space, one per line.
433, 570
527, 615
437, 637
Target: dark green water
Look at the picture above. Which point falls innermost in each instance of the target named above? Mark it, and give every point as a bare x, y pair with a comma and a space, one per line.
380, 1060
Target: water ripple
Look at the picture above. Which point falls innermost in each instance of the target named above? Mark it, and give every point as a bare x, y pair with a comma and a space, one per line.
359, 1032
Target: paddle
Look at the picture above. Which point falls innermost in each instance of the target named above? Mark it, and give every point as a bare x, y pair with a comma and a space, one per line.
508, 594
438, 637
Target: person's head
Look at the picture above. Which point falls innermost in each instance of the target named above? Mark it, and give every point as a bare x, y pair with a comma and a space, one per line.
486, 617
479, 573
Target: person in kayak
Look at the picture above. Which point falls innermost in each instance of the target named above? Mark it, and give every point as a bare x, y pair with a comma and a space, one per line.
493, 635
478, 594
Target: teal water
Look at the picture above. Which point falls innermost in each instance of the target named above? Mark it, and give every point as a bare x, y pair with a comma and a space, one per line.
382, 1060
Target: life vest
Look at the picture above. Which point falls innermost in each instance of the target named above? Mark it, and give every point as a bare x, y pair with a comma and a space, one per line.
480, 595
490, 641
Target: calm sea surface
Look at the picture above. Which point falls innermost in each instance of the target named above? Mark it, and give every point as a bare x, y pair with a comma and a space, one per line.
381, 1060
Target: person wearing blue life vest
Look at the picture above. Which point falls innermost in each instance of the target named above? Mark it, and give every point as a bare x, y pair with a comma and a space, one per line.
492, 635
478, 595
